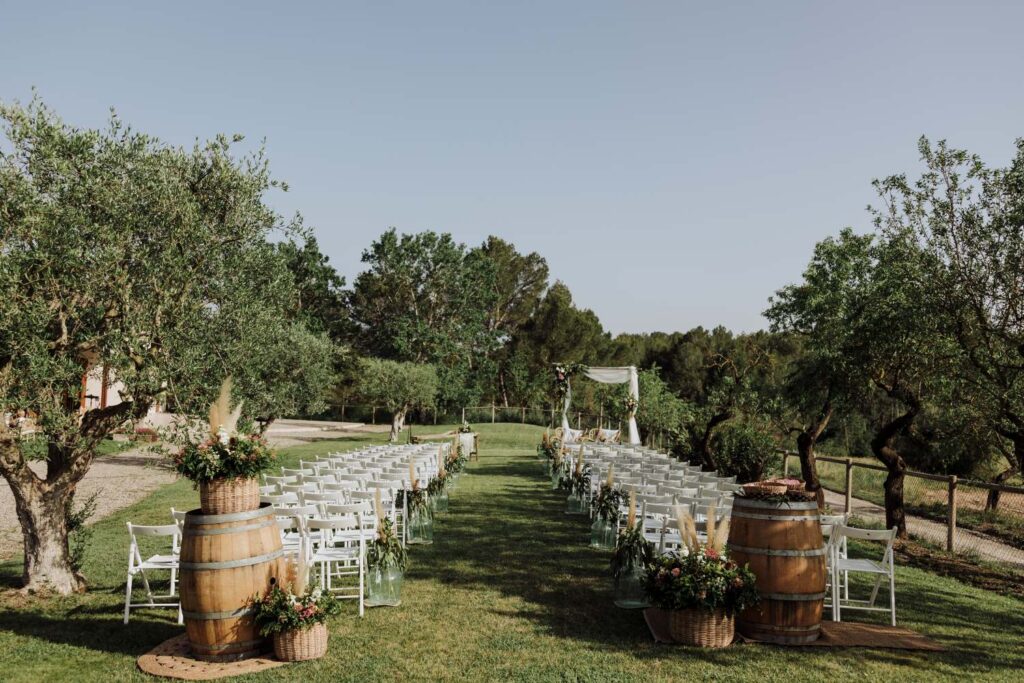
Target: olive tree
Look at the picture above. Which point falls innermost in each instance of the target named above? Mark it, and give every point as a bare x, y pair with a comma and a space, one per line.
397, 386
969, 219
119, 251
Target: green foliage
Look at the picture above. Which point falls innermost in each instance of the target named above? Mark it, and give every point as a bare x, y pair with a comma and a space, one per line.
631, 550
703, 580
279, 610
243, 457
425, 299
79, 534
746, 451
386, 551
397, 385
607, 505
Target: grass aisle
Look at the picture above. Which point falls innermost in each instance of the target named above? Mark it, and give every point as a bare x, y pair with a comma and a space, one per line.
508, 591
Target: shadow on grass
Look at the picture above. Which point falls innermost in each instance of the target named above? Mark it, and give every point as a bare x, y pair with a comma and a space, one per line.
510, 534
104, 632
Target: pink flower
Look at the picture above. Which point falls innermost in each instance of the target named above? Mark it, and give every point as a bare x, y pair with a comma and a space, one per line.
711, 553
676, 572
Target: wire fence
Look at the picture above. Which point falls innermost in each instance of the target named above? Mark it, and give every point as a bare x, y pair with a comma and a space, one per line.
965, 516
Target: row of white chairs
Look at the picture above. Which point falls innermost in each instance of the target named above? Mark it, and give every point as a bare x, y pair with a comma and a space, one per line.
329, 518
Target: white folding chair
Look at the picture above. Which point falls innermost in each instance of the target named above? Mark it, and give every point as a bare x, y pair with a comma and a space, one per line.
159, 562
843, 566
338, 550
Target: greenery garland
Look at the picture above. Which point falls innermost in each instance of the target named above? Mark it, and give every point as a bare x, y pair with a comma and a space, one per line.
386, 550
609, 502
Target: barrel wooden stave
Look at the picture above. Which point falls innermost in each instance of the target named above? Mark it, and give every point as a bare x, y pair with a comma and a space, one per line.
225, 561
783, 544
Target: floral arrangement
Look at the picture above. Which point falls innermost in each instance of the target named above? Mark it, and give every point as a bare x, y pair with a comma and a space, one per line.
631, 548
630, 404
549, 447
456, 460
563, 371
703, 576
609, 499
297, 606
224, 454
386, 550
465, 428
415, 498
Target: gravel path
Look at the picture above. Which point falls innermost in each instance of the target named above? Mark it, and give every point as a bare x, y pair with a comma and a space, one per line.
985, 546
120, 479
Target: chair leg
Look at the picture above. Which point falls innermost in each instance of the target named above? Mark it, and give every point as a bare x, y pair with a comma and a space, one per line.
360, 568
892, 594
145, 582
836, 616
174, 581
181, 615
128, 597
874, 591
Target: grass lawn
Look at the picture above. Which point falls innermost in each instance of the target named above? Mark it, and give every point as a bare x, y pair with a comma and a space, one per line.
508, 591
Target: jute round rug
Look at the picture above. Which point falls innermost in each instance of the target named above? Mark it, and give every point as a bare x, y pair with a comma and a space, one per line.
172, 659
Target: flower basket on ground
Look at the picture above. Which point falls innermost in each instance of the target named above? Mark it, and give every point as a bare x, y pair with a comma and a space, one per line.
386, 562
226, 466
295, 617
700, 587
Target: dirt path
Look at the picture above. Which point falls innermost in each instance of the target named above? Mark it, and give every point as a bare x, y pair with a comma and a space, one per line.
934, 532
120, 480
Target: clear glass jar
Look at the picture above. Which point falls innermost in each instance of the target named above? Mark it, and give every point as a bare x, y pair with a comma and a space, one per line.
384, 587
629, 590
602, 534
440, 502
421, 526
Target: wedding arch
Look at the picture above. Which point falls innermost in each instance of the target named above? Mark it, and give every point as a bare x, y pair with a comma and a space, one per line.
624, 375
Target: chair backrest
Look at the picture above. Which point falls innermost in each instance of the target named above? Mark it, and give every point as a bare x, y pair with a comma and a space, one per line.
179, 517
842, 532
283, 499
137, 530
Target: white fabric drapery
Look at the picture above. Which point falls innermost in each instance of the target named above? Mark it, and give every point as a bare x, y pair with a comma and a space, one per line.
607, 376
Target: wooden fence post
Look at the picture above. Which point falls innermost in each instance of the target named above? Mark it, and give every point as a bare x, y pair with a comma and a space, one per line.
373, 415
951, 514
849, 486
600, 417
579, 420
492, 413
522, 420
463, 414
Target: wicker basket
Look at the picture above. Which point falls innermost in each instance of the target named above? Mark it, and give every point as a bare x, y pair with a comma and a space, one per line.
224, 496
702, 628
764, 488
300, 644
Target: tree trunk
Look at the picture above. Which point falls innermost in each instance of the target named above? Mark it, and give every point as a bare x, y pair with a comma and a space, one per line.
703, 441
882, 447
806, 440
42, 511
398, 422
992, 502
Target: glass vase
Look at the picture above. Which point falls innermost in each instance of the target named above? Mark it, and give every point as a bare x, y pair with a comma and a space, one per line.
440, 502
556, 476
421, 527
602, 534
383, 587
629, 590
574, 505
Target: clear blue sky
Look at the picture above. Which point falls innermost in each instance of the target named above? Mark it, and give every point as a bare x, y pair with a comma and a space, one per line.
675, 162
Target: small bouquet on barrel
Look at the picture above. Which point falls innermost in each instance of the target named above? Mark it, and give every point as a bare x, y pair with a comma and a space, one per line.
225, 467
700, 587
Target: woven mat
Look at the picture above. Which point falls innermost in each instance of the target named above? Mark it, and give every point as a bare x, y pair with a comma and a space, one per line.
842, 634
172, 659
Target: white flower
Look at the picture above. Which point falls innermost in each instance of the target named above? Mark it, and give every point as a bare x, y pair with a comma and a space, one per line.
317, 593
294, 599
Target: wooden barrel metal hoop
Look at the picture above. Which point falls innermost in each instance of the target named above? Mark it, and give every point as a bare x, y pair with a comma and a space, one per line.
225, 561
783, 544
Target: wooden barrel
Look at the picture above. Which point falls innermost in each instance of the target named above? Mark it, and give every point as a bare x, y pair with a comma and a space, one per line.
226, 560
782, 543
